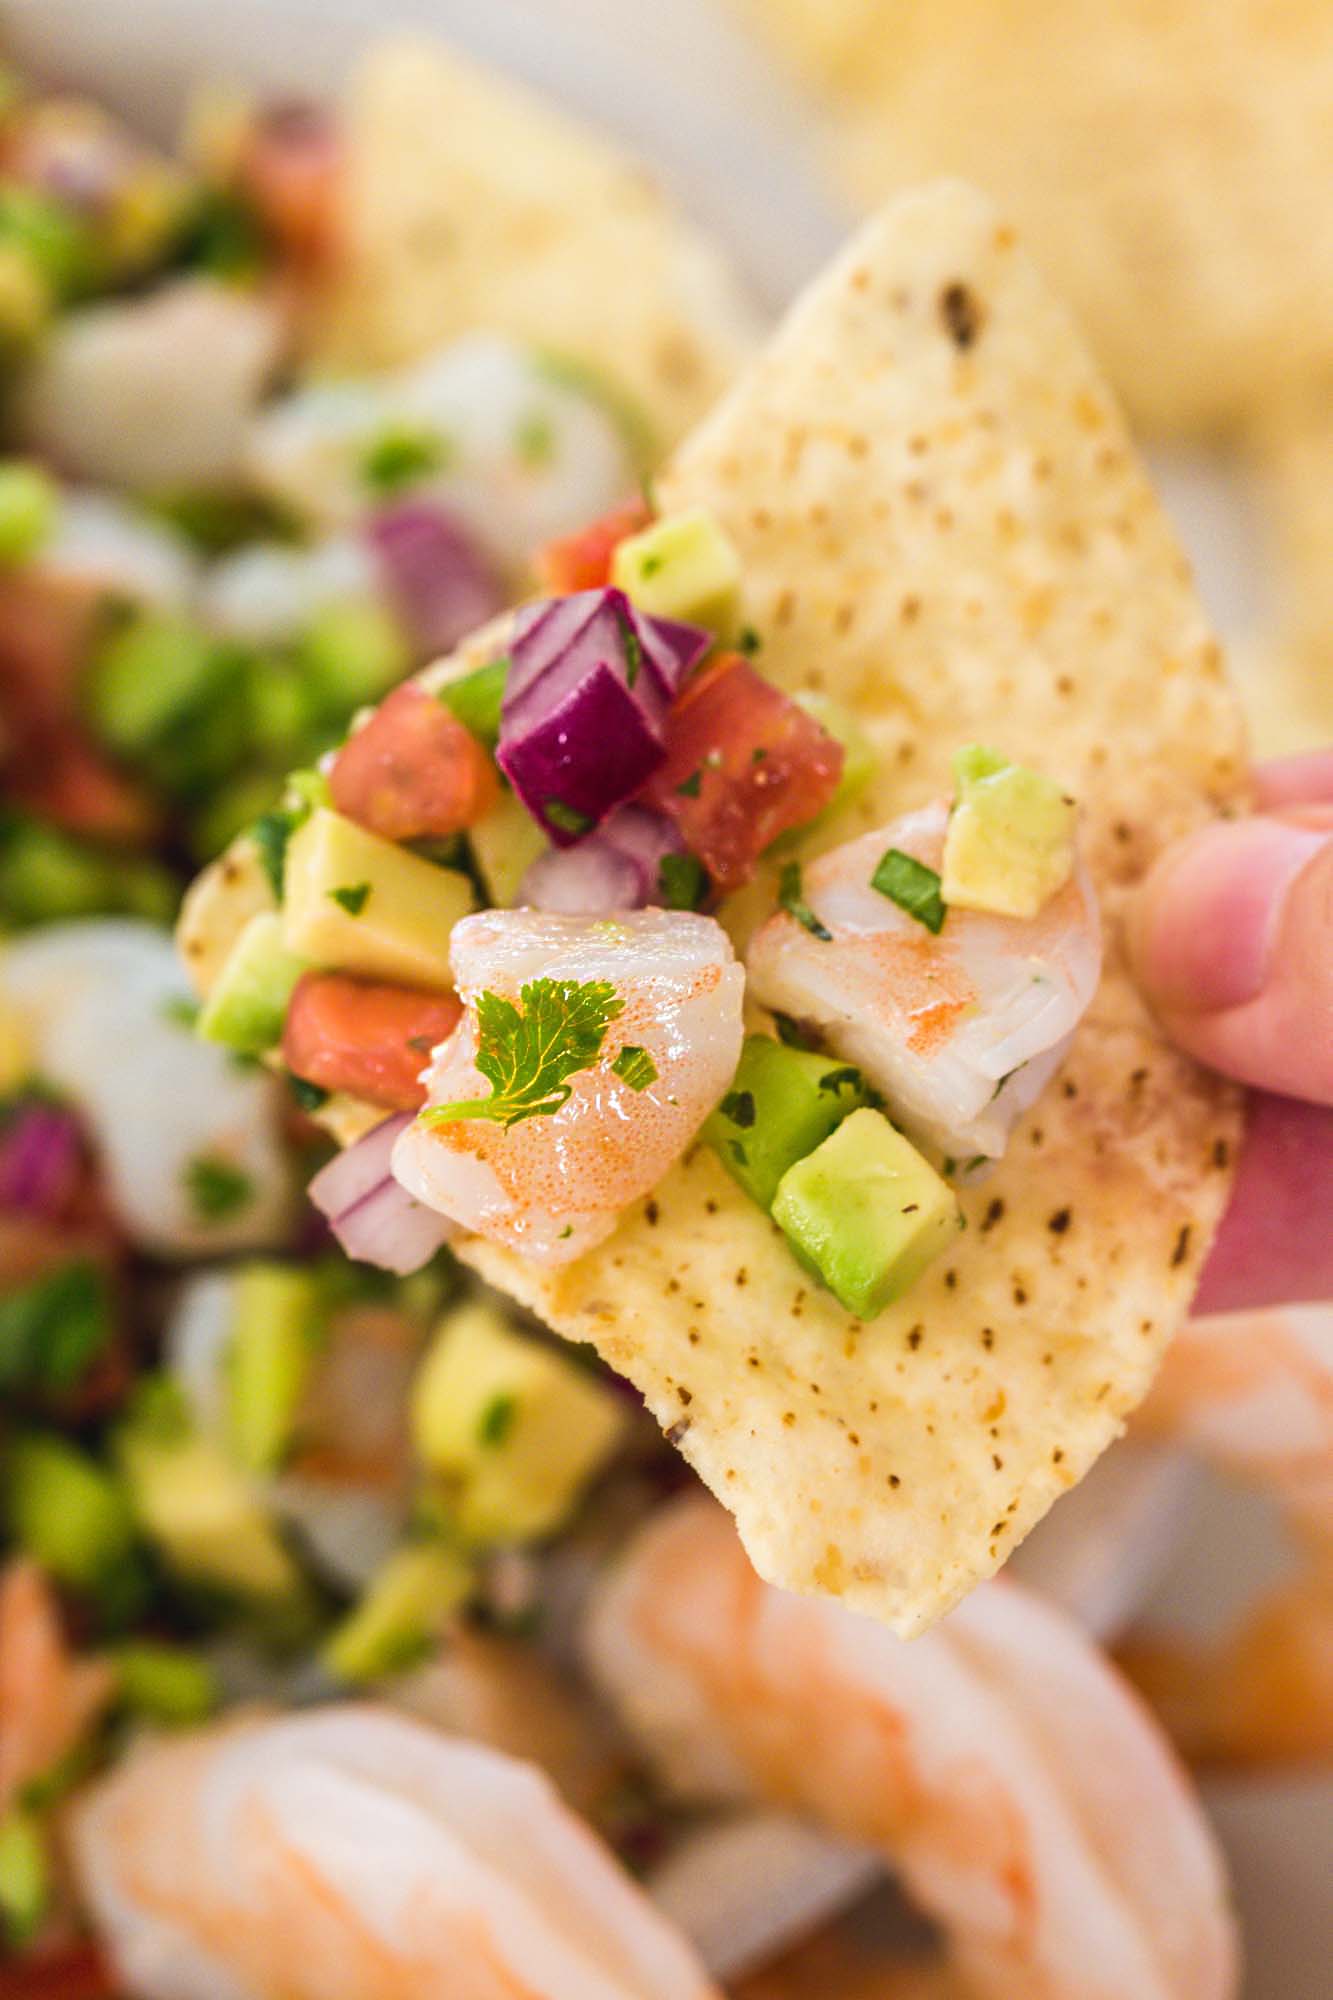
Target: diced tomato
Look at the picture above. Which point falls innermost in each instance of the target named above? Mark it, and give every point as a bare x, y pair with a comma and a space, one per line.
70, 1972
414, 772
372, 1040
744, 764
583, 561
291, 170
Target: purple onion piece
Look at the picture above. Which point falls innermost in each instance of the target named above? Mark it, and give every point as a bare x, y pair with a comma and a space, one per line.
438, 579
554, 641
645, 836
590, 879
39, 1161
572, 764
374, 1219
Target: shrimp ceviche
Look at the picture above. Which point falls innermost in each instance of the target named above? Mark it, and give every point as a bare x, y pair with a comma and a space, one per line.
529, 1323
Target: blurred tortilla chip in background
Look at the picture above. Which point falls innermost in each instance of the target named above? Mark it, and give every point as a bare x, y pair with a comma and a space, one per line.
942, 525
474, 204
1170, 167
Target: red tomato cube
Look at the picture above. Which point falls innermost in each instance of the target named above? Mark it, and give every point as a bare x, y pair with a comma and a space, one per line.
583, 561
744, 764
370, 1039
413, 772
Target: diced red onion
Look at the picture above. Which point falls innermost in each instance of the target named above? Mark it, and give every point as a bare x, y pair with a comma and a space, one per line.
437, 577
39, 1161
616, 868
645, 836
569, 633
374, 1219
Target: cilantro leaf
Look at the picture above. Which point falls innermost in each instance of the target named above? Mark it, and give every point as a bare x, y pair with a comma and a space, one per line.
271, 833
633, 650
216, 1188
738, 1108
681, 881
352, 897
689, 787
400, 456
52, 1328
912, 886
791, 899
635, 1067
310, 1096
567, 818
848, 1077
497, 1420
528, 1057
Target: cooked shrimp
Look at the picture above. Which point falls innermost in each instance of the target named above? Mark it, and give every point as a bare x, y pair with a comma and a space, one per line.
349, 1854
1252, 1394
997, 1763
515, 451
170, 1116
834, 1965
553, 1186
154, 392
49, 1700
960, 1030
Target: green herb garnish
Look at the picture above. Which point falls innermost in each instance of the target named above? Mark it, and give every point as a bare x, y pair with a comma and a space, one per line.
912, 886
53, 1327
216, 1188
792, 900
689, 789
790, 1033
271, 832
400, 456
527, 1058
497, 1420
846, 1078
635, 1067
352, 897
749, 641
310, 1096
633, 651
567, 818
682, 881
738, 1107
534, 439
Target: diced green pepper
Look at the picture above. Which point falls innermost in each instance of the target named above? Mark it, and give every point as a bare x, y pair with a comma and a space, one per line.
29, 509
783, 1102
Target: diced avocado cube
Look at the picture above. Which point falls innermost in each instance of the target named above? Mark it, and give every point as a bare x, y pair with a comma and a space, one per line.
511, 1429
352, 653
275, 1325
29, 509
165, 1684
26, 1877
1010, 844
476, 699
66, 1510
403, 1613
866, 1212
248, 1005
148, 675
859, 762
506, 842
782, 1103
199, 1511
683, 566
357, 903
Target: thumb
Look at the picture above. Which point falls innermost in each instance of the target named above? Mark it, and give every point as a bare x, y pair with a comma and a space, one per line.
1231, 938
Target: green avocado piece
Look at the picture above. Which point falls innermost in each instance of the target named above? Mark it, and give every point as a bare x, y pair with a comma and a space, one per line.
683, 566
476, 699
782, 1103
27, 1877
201, 1513
165, 1684
275, 1324
403, 1613
506, 842
866, 1212
248, 1006
67, 1511
511, 1429
1010, 843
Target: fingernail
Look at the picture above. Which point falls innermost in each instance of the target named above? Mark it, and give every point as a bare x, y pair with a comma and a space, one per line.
1207, 920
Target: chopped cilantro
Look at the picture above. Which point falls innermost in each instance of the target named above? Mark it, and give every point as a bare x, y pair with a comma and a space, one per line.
567, 818
635, 1067
527, 1058
846, 1078
181, 1010
308, 1095
912, 886
738, 1152
53, 1327
790, 1033
791, 899
352, 897
738, 1107
497, 1420
401, 455
749, 641
681, 881
689, 789
216, 1188
633, 651
271, 833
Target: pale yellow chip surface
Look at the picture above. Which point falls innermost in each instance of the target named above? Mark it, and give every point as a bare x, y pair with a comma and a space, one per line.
1288, 681
473, 204
942, 524
1168, 162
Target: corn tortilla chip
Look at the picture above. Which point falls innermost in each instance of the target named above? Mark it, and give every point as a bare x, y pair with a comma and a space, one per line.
1169, 165
1288, 684
472, 204
942, 524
